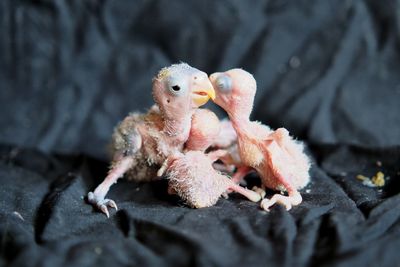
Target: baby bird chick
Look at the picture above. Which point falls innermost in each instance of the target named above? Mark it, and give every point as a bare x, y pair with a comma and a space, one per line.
142, 142
207, 132
217, 137
278, 159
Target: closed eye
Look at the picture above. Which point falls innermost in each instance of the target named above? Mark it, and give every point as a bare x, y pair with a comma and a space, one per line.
224, 83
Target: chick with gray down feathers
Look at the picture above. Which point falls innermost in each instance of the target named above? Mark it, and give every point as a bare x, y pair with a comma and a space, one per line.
142, 142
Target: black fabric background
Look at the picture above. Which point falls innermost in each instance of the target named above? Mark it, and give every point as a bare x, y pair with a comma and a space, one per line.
70, 70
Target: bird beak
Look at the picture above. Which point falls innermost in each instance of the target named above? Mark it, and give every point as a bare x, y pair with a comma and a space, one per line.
202, 92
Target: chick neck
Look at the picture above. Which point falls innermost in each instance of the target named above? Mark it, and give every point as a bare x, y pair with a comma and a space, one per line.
239, 113
240, 122
178, 128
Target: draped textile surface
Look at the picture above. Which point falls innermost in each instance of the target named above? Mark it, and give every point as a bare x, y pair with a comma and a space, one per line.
70, 70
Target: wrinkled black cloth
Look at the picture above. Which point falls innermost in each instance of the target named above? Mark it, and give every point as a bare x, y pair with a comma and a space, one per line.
70, 70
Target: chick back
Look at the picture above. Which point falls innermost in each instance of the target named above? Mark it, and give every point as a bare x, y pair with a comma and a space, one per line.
140, 136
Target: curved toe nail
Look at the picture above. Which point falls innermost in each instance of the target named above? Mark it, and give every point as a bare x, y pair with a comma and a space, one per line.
112, 204
288, 207
104, 209
265, 206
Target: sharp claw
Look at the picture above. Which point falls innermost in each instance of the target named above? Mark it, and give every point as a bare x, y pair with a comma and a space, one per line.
282, 200
259, 190
104, 209
266, 204
265, 208
112, 204
262, 204
101, 203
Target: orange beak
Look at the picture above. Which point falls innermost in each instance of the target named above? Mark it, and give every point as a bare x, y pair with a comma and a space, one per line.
202, 92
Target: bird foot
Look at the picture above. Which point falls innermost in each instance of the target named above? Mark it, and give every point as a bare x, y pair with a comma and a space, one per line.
259, 190
101, 203
287, 201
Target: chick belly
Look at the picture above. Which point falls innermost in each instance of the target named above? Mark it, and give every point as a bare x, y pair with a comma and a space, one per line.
302, 178
295, 164
296, 178
143, 170
286, 174
254, 158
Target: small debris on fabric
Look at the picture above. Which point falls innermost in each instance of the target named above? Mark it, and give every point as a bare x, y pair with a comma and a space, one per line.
16, 213
378, 180
362, 177
379, 163
368, 183
98, 250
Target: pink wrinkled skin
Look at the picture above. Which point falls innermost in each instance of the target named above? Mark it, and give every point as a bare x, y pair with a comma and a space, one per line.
277, 157
205, 129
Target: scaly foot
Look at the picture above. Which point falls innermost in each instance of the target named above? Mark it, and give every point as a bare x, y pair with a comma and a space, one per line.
259, 190
287, 201
101, 203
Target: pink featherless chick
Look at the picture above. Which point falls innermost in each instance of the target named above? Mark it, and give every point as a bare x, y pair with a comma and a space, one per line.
220, 139
277, 158
207, 132
205, 128
224, 147
217, 137
142, 142
191, 174
204, 131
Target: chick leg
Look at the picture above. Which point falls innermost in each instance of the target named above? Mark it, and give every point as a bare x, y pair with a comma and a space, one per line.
259, 190
224, 168
238, 176
96, 198
217, 154
251, 195
279, 153
240, 173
